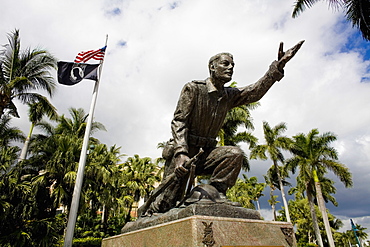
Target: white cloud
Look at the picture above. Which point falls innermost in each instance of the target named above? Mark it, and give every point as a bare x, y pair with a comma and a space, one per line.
267, 214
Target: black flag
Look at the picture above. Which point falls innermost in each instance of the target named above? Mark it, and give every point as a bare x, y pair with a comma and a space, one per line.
73, 73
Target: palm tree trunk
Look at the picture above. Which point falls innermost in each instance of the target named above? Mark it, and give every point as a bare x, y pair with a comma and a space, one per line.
128, 216
105, 216
314, 218
26, 144
273, 204
282, 192
273, 211
258, 205
322, 207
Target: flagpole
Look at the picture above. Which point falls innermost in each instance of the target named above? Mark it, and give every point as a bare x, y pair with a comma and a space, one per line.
354, 229
81, 165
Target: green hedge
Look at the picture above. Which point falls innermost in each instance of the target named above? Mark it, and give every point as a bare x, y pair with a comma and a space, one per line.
89, 241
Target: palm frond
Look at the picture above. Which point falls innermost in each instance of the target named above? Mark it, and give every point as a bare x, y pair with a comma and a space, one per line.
358, 12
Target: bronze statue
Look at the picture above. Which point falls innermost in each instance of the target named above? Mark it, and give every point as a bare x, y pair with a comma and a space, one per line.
199, 116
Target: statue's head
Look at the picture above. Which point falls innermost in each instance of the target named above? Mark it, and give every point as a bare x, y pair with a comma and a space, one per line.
221, 66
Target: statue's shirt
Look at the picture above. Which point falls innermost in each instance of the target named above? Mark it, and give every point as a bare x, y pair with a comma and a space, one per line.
201, 109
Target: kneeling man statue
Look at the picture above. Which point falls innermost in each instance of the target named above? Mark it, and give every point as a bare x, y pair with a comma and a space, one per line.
198, 118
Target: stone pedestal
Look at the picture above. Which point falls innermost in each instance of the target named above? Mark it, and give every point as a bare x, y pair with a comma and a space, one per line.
208, 231
196, 225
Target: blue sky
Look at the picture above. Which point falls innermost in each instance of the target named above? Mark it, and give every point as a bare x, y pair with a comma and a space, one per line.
357, 42
155, 47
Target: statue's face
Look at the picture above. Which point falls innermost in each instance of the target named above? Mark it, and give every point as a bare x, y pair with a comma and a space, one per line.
223, 68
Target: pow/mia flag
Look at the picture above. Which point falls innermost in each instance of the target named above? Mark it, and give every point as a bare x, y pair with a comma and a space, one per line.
72, 73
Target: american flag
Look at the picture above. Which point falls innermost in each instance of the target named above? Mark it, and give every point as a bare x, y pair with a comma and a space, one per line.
84, 56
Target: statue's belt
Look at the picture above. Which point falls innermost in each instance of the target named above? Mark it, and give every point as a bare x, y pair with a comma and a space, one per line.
199, 141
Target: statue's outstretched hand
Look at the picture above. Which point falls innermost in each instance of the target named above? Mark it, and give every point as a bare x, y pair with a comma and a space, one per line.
284, 57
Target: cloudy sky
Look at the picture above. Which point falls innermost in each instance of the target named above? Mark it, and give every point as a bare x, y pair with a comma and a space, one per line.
155, 47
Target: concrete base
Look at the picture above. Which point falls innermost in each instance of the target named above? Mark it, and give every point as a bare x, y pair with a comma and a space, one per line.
203, 207
200, 230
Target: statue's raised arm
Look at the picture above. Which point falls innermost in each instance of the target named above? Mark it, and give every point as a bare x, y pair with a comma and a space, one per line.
284, 57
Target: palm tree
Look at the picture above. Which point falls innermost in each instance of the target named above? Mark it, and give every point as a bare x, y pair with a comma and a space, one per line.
272, 201
35, 113
77, 124
21, 72
313, 155
8, 157
299, 211
245, 191
240, 193
141, 174
328, 188
17, 206
274, 143
8, 134
103, 180
303, 223
238, 116
357, 11
256, 189
56, 153
271, 179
